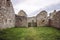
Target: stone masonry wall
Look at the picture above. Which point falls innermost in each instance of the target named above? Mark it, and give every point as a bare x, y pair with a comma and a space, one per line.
21, 19
55, 21
7, 15
42, 18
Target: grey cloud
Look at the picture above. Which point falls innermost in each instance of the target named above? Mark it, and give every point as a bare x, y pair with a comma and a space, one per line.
15, 2
52, 7
48, 9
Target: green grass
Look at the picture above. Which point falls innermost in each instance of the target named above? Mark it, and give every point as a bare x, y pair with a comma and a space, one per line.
32, 33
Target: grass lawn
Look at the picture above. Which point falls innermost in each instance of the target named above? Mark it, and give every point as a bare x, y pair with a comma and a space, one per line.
32, 33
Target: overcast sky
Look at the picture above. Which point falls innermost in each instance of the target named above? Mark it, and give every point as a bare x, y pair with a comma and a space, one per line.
31, 7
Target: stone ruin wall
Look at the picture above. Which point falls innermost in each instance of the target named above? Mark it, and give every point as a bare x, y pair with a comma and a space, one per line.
7, 16
21, 19
42, 19
55, 20
32, 21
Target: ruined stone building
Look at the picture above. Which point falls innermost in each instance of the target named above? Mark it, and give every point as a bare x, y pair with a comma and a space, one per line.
21, 19
7, 16
39, 20
9, 19
54, 20
32, 22
42, 18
